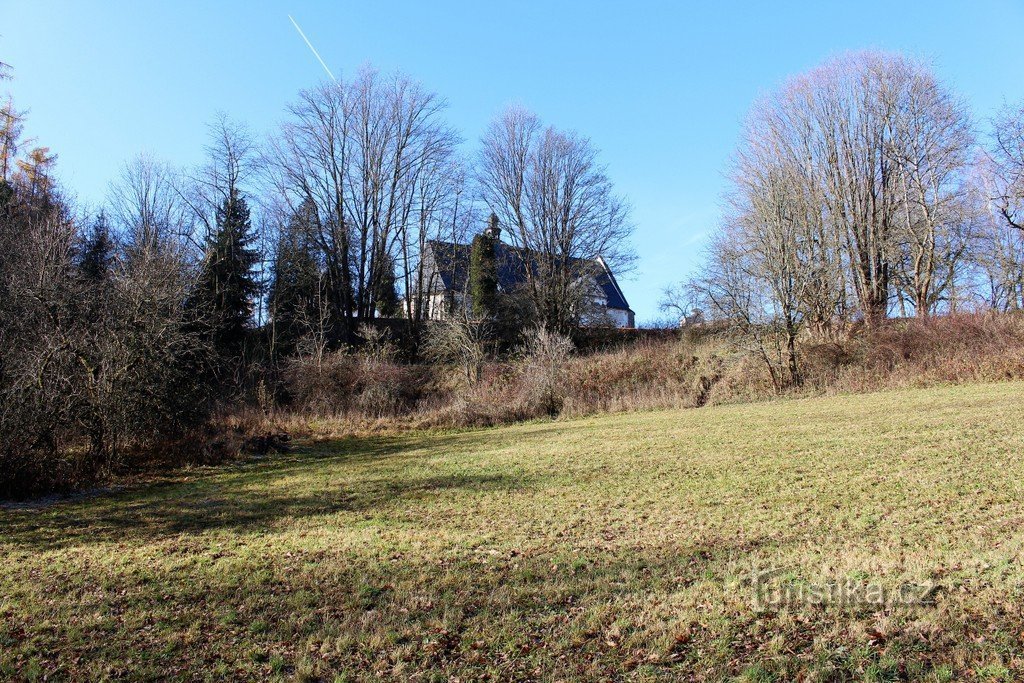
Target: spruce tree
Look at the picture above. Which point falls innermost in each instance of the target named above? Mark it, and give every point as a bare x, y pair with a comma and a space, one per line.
296, 284
483, 273
227, 284
98, 251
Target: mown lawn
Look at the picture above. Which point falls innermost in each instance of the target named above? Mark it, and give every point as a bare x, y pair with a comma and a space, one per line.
617, 547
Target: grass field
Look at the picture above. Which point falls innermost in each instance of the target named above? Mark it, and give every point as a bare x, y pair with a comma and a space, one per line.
616, 547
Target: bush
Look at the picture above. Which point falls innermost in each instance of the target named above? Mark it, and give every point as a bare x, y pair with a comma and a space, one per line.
920, 351
344, 383
96, 375
545, 366
369, 391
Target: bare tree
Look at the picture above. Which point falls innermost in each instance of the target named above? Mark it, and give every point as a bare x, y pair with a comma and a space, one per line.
460, 339
768, 243
998, 253
1001, 179
851, 183
143, 362
679, 306
307, 161
229, 170
884, 145
1007, 165
372, 157
147, 207
731, 289
931, 147
37, 300
11, 127
845, 102
548, 189
103, 359
441, 211
1001, 259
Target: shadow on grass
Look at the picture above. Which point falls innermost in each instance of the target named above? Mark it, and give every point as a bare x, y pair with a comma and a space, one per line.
253, 496
541, 610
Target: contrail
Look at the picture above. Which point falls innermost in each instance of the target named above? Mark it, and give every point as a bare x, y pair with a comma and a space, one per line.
315, 53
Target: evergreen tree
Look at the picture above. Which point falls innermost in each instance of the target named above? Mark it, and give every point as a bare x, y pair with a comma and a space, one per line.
6, 196
483, 271
385, 293
227, 285
296, 285
98, 251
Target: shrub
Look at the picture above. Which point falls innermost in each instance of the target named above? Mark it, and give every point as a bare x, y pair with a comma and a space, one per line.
344, 383
545, 361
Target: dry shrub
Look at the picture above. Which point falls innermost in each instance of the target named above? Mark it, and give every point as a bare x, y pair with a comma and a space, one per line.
677, 372
384, 388
968, 347
499, 397
823, 362
944, 343
347, 393
320, 386
353, 394
743, 377
648, 375
343, 383
545, 370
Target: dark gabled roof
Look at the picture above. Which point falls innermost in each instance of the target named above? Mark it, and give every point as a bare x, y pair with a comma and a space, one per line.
610, 287
452, 263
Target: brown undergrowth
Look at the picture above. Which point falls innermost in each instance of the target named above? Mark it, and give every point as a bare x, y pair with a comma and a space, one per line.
352, 395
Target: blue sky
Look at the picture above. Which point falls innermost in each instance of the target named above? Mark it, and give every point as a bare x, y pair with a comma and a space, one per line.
660, 87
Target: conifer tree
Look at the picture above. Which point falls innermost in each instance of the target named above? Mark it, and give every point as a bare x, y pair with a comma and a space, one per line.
296, 284
227, 284
483, 272
97, 254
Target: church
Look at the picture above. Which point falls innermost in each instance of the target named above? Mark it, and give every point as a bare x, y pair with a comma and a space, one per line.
446, 274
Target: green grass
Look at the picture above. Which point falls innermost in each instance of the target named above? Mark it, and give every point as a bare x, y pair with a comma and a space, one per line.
615, 547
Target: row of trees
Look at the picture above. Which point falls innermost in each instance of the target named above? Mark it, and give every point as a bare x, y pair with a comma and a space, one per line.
859, 191
358, 179
126, 325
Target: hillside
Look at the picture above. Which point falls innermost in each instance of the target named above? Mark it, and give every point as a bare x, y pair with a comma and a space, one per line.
615, 546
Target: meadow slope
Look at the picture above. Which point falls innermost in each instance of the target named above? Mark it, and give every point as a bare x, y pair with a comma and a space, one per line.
611, 547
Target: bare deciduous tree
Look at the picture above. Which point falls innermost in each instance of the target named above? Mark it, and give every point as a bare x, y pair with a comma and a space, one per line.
11, 127
733, 288
935, 224
373, 157
1007, 167
462, 340
884, 146
147, 207
231, 165
548, 189
998, 253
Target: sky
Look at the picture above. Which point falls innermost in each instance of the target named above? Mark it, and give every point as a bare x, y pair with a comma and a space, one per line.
660, 88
